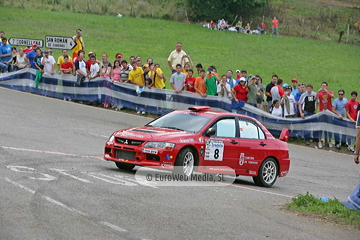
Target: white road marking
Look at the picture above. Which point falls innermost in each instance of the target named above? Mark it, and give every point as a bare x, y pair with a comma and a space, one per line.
98, 135
119, 229
118, 181
17, 169
60, 204
143, 183
63, 171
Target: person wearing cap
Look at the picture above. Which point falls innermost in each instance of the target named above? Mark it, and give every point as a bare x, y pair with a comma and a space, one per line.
31, 56
238, 75
270, 85
79, 43
288, 101
243, 74
118, 56
253, 92
294, 83
61, 58
240, 91
277, 92
178, 56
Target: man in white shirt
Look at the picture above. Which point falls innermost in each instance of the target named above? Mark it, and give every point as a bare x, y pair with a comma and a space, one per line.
94, 68
288, 100
223, 88
49, 63
178, 56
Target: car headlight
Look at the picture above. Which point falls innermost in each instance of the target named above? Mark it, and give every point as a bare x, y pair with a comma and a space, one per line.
111, 139
160, 145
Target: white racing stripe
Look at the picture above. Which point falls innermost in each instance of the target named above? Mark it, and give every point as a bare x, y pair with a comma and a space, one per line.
60, 204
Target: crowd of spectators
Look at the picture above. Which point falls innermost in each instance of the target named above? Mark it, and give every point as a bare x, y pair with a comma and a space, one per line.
281, 99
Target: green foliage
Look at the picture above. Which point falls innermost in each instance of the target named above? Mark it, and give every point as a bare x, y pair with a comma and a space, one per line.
204, 10
334, 208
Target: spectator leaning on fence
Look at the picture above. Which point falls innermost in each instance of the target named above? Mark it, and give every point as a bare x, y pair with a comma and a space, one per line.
253, 92
270, 85
177, 57
357, 144
351, 112
288, 101
66, 67
223, 88
229, 79
177, 80
339, 108
49, 63
6, 55
80, 68
211, 79
20, 60
200, 84
240, 91
61, 58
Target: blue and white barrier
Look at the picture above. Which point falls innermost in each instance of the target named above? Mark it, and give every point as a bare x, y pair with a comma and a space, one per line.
160, 101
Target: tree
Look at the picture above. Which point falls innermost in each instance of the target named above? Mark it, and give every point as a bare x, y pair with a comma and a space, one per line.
205, 10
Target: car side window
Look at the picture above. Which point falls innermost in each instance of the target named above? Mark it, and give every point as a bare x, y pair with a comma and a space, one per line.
225, 128
250, 130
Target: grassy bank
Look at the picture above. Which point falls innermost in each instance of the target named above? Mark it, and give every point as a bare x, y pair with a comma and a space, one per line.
310, 61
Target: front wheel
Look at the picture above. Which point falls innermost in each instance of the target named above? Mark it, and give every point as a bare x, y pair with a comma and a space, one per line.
268, 173
185, 162
125, 166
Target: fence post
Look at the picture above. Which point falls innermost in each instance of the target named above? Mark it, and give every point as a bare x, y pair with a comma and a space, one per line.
317, 29
353, 36
347, 34
302, 27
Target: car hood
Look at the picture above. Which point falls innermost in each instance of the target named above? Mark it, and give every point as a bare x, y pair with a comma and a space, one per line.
152, 134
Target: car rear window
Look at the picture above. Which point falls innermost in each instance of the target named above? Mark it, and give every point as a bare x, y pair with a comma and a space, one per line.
190, 122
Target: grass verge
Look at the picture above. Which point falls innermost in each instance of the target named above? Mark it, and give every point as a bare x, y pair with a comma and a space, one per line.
334, 209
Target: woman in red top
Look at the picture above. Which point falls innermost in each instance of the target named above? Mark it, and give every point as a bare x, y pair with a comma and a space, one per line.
240, 91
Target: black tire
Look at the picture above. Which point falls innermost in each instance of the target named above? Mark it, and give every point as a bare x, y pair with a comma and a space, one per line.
186, 159
125, 166
268, 173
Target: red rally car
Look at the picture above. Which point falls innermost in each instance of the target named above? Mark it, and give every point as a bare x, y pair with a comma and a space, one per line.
199, 137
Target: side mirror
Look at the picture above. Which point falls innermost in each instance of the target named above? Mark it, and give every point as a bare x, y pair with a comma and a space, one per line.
210, 132
284, 136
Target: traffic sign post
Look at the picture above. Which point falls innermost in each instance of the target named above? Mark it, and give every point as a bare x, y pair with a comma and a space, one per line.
59, 42
26, 42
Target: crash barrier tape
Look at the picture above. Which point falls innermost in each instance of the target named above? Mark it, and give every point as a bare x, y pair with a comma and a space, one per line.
160, 101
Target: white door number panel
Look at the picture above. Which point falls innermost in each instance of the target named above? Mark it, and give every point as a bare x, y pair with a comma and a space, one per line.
214, 150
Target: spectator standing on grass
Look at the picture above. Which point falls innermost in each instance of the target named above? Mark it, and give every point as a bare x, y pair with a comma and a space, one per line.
115, 73
6, 55
198, 68
31, 56
294, 83
2, 35
238, 75
240, 91
270, 85
66, 67
223, 88
136, 75
94, 68
260, 96
302, 89
190, 81
275, 24
157, 76
79, 44
61, 58
288, 101
20, 60
212, 25
351, 112
262, 27
339, 108
125, 70
211, 81
307, 107
200, 84
49, 63
80, 67
177, 80
177, 57
229, 79
276, 108
253, 92
357, 144
105, 69
324, 103
277, 92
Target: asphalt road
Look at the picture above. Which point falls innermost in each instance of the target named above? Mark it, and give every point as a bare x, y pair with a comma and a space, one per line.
53, 185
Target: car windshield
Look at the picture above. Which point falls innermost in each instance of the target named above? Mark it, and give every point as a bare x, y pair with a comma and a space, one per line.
190, 122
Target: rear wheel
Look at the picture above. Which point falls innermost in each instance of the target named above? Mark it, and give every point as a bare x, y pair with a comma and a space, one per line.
268, 173
125, 166
185, 162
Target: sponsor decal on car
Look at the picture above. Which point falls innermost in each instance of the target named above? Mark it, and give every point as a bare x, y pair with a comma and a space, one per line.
186, 140
201, 139
168, 157
151, 151
283, 173
202, 150
252, 172
214, 150
252, 162
242, 159
130, 134
249, 158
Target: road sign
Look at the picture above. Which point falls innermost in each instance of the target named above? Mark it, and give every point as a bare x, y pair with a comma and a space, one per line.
26, 42
59, 42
